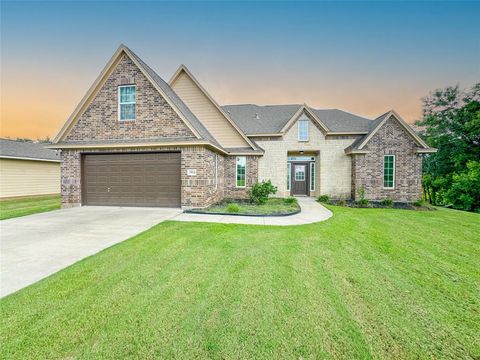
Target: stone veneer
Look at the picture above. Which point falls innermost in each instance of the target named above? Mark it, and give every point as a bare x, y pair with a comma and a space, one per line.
367, 169
201, 190
333, 167
154, 116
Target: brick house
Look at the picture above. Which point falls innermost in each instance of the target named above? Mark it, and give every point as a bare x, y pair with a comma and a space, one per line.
136, 140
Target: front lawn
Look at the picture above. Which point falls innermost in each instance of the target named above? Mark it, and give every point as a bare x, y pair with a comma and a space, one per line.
273, 206
28, 205
365, 284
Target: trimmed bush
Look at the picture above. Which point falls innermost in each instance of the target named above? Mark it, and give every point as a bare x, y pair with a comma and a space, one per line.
260, 192
388, 202
341, 202
362, 203
233, 208
290, 200
324, 199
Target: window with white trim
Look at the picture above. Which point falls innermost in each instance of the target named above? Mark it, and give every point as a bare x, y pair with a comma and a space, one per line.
312, 176
389, 171
303, 130
126, 102
241, 170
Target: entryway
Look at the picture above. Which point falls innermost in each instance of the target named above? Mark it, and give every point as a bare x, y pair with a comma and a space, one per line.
301, 175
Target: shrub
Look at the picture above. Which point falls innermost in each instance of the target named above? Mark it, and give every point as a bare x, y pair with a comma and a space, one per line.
418, 203
341, 202
324, 199
233, 208
362, 203
260, 192
388, 202
290, 200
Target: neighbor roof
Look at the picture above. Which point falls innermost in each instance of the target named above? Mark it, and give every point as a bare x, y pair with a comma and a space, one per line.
270, 119
26, 150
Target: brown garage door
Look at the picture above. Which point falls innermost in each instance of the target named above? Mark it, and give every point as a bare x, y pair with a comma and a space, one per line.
132, 179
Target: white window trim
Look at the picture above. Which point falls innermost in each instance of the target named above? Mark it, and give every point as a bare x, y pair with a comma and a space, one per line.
127, 103
236, 172
394, 171
312, 188
307, 122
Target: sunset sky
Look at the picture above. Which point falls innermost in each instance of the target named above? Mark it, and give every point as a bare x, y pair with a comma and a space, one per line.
365, 58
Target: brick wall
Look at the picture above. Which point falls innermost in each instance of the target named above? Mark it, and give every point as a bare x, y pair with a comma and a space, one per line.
367, 169
231, 190
200, 190
154, 116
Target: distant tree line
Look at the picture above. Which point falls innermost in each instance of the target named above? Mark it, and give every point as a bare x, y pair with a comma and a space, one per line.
451, 123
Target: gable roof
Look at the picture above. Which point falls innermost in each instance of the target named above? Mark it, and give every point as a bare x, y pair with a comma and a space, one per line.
162, 87
12, 149
304, 109
271, 119
183, 69
358, 145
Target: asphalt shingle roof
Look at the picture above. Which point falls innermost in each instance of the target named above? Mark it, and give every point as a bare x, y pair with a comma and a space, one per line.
21, 149
270, 119
191, 118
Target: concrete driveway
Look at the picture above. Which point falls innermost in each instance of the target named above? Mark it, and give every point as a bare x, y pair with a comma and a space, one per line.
33, 247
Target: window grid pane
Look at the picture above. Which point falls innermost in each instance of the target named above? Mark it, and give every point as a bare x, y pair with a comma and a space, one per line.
289, 174
127, 106
312, 176
303, 130
241, 169
388, 171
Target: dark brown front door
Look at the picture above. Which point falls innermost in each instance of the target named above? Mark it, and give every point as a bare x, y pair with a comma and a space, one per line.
132, 179
300, 178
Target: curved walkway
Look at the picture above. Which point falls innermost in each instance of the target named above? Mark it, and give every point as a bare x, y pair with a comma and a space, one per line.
311, 212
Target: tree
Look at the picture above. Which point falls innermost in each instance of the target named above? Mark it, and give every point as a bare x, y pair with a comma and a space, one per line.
451, 123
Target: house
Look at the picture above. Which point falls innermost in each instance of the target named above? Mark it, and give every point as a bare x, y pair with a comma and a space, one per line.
136, 140
28, 168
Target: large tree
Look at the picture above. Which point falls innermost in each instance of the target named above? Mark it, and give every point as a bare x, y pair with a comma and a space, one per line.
451, 123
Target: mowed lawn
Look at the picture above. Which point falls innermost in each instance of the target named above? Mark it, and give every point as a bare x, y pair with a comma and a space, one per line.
366, 284
28, 205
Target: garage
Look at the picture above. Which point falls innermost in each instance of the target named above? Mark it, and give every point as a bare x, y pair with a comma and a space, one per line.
132, 179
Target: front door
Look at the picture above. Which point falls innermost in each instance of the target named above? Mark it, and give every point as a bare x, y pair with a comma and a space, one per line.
300, 178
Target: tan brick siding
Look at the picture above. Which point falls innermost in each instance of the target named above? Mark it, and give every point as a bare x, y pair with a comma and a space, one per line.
367, 170
333, 167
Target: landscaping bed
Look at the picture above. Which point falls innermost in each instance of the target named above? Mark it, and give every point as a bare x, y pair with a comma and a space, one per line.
272, 207
385, 204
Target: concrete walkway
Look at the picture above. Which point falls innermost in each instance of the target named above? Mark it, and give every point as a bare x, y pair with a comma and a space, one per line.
33, 247
311, 212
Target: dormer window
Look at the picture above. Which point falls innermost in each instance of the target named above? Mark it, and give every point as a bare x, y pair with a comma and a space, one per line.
302, 130
126, 102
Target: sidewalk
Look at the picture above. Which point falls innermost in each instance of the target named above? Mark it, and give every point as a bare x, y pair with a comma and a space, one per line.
311, 212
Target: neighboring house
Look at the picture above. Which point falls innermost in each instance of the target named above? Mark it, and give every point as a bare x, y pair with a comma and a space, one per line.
135, 140
28, 168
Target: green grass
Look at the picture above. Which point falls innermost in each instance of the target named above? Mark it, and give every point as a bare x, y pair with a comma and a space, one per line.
366, 284
28, 205
272, 206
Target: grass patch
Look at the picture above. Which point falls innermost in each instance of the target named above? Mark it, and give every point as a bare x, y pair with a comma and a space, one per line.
28, 205
273, 206
366, 284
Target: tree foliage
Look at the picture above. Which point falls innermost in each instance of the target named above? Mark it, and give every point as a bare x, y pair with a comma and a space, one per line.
451, 123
